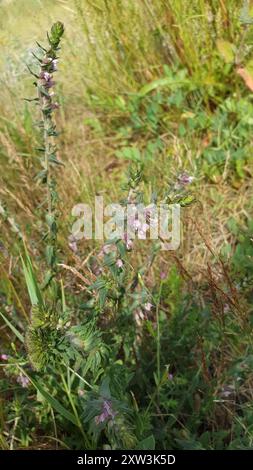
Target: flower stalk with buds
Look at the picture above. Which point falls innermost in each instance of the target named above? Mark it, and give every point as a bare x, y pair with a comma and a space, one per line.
45, 100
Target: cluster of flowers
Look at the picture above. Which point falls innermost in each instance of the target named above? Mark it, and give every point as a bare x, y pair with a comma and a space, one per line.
48, 67
106, 413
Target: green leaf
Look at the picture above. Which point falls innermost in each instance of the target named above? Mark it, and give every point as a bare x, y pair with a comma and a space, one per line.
50, 255
47, 279
160, 83
15, 331
226, 50
147, 444
249, 66
53, 402
187, 200
129, 153
31, 282
102, 297
239, 165
245, 15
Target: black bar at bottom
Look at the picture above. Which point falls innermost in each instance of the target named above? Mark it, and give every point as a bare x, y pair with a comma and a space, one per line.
110, 459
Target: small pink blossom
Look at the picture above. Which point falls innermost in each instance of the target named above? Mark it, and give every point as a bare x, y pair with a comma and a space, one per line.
185, 179
47, 60
107, 412
50, 84
47, 79
4, 357
72, 243
119, 263
54, 64
148, 306
106, 249
140, 226
23, 380
45, 76
128, 242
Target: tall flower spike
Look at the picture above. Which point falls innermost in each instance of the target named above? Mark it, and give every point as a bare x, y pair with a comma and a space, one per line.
45, 82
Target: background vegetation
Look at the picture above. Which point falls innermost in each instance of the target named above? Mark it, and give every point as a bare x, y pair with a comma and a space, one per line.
164, 86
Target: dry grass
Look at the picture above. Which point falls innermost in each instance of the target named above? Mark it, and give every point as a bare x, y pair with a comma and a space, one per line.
157, 33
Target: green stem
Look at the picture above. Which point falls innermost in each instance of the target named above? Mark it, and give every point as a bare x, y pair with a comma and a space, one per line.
68, 392
47, 123
158, 345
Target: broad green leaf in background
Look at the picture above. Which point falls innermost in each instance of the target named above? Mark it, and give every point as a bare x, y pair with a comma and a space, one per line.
129, 153
160, 83
147, 444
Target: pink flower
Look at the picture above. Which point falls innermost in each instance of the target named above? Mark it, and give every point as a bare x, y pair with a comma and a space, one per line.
185, 179
148, 306
47, 79
119, 263
23, 380
138, 225
4, 357
49, 84
163, 275
107, 412
107, 249
129, 243
45, 76
54, 64
72, 243
55, 105
47, 60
